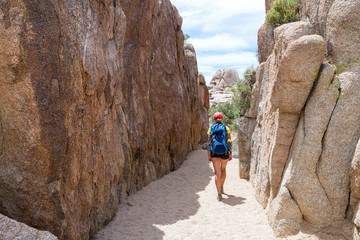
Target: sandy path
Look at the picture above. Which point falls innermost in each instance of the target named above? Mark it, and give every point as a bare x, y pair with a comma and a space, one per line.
183, 205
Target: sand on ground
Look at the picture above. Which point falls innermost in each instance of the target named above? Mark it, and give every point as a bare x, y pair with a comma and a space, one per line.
183, 205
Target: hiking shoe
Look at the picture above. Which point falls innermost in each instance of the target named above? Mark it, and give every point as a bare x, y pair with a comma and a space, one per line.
222, 190
219, 197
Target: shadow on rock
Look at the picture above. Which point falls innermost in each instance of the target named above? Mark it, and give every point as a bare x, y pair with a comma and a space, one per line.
233, 200
163, 202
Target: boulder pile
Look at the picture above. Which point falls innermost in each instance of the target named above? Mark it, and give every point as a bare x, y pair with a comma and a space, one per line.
304, 144
221, 84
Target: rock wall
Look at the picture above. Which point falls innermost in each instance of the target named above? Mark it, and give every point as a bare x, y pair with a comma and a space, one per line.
205, 105
304, 158
247, 121
97, 99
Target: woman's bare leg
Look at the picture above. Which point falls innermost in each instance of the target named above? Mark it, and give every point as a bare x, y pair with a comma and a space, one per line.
216, 164
223, 164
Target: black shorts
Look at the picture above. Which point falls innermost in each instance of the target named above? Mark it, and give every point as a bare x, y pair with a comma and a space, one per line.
222, 156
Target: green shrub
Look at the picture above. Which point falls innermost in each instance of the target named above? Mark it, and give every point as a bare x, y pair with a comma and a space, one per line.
282, 11
247, 73
186, 37
242, 92
228, 110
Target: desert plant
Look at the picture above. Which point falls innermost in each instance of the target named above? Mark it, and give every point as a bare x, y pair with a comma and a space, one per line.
242, 91
228, 110
247, 73
186, 37
282, 11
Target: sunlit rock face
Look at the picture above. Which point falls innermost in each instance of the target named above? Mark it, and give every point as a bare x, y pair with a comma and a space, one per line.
204, 106
338, 22
265, 42
304, 147
97, 99
199, 98
224, 78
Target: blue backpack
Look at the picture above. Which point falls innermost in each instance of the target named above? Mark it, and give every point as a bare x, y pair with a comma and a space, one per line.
219, 137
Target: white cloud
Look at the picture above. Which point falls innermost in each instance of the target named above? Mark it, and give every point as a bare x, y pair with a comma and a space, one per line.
218, 43
207, 14
233, 7
222, 8
230, 59
224, 33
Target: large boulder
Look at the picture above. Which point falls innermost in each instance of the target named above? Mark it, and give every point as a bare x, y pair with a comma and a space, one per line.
287, 33
339, 145
315, 12
355, 179
284, 215
354, 205
224, 78
204, 91
301, 177
201, 79
265, 42
246, 127
247, 120
288, 78
231, 77
205, 105
220, 86
356, 221
11, 229
218, 76
199, 120
320, 170
338, 22
256, 91
90, 97
342, 31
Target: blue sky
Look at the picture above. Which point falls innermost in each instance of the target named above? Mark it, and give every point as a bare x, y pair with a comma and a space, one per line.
224, 33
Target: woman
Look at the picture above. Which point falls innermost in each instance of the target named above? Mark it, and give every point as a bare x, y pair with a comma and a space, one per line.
219, 160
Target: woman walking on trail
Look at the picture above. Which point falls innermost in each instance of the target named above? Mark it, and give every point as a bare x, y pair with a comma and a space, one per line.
219, 151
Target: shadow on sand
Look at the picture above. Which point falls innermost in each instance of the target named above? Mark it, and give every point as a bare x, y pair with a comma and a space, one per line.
163, 202
233, 200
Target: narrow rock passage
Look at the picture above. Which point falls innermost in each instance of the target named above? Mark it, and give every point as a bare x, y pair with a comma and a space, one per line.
183, 205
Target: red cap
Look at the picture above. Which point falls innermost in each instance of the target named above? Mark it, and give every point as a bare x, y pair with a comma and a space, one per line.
218, 115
